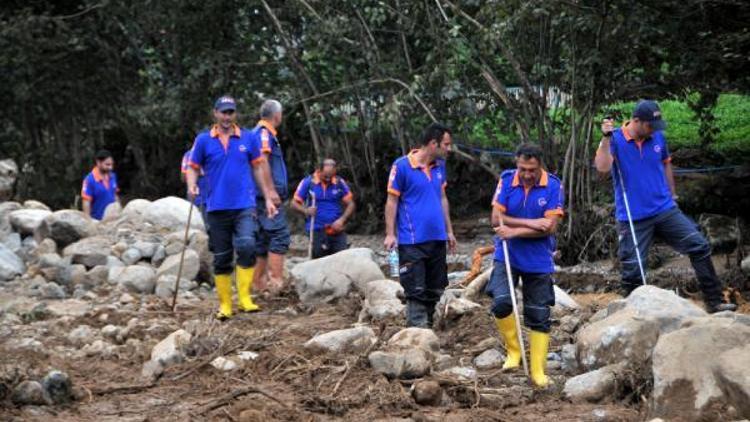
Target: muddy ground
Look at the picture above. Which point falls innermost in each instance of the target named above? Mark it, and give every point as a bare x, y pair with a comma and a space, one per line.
285, 382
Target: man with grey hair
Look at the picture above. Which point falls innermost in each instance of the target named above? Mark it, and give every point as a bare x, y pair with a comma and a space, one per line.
273, 237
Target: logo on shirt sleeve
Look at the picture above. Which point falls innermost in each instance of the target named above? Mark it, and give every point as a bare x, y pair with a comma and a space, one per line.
657, 149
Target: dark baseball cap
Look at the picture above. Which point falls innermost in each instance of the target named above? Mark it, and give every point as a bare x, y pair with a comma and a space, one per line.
649, 111
225, 103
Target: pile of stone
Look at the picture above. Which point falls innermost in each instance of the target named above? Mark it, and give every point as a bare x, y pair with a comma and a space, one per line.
65, 253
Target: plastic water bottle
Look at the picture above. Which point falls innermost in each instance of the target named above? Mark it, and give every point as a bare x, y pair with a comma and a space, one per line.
393, 263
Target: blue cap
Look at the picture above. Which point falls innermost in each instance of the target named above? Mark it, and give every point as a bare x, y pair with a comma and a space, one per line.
649, 111
225, 103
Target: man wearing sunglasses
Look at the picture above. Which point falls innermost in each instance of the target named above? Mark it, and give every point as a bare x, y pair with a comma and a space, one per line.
330, 192
644, 182
234, 169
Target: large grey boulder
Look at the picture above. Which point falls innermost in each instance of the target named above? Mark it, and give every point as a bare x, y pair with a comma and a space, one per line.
350, 340
632, 327
136, 278
408, 354
33, 204
11, 265
165, 285
65, 227
325, 279
91, 251
732, 371
136, 208
25, 221
171, 213
691, 372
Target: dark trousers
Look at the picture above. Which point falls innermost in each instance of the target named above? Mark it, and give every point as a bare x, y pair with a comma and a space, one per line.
538, 296
682, 234
232, 231
273, 233
424, 274
325, 244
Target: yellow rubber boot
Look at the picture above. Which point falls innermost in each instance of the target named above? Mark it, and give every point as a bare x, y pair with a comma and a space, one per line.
507, 328
539, 344
224, 291
245, 288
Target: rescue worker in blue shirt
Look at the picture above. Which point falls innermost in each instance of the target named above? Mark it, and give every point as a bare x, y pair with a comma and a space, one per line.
330, 192
100, 186
234, 169
529, 202
417, 221
273, 233
640, 150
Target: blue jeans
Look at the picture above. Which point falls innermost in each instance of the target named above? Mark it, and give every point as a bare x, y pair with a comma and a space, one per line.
273, 233
538, 296
682, 234
325, 244
230, 232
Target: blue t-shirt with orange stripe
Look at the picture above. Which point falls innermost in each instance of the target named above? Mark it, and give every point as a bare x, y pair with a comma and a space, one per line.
101, 190
328, 198
419, 189
545, 199
265, 135
226, 164
642, 165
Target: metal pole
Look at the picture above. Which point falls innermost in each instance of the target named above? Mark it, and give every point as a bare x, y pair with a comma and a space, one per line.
630, 223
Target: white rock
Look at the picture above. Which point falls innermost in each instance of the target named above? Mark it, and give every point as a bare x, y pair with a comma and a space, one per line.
25, 221
81, 335
491, 358
136, 278
65, 227
413, 363
223, 364
325, 279
165, 285
110, 331
382, 299
130, 256
595, 386
11, 265
170, 350
247, 355
52, 291
190, 267
351, 340
33, 204
746, 265
99, 348
171, 213
413, 337
146, 249
90, 251
136, 207
463, 373
732, 371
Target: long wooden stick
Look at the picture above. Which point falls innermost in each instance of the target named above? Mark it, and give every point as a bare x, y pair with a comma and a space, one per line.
182, 255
